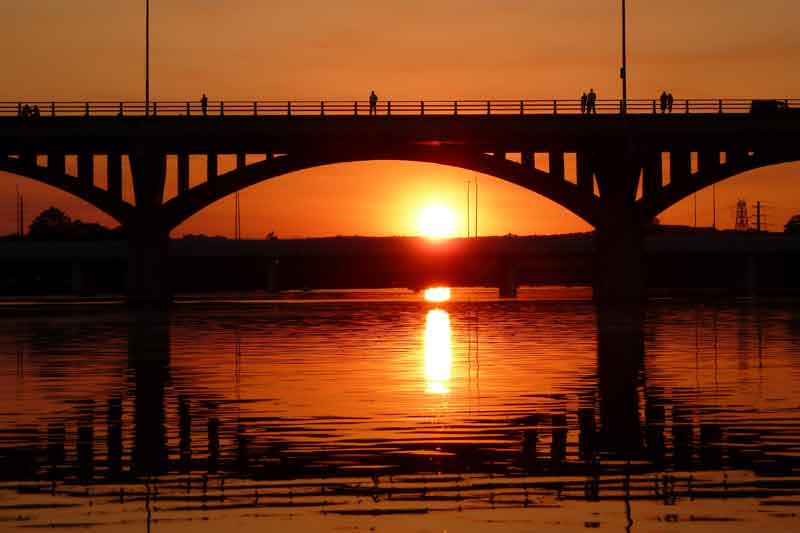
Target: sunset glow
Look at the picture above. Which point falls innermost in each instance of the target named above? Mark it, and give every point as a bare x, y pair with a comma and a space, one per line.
437, 294
437, 222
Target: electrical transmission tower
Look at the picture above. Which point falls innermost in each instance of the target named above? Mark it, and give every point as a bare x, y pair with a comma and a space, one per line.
760, 217
742, 220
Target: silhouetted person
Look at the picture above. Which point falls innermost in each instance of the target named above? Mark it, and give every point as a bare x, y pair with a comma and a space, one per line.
670, 100
204, 104
664, 99
591, 102
26, 111
583, 103
35, 111
373, 103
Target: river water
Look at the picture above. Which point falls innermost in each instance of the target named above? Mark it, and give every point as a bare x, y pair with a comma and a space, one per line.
380, 411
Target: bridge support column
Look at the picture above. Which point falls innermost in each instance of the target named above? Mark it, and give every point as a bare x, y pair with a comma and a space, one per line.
619, 234
619, 264
148, 278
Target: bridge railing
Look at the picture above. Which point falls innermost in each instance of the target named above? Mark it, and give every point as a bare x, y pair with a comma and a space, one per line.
383, 108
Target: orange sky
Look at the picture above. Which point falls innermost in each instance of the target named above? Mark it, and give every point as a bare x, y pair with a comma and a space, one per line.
251, 49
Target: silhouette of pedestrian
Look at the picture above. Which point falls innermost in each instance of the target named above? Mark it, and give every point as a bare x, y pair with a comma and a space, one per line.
670, 101
204, 104
664, 99
26, 111
35, 111
373, 103
583, 103
591, 102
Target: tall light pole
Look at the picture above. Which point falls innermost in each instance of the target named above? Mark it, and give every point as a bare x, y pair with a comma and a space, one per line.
147, 59
469, 185
623, 73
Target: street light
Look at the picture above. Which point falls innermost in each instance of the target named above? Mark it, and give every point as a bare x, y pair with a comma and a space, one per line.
623, 73
147, 59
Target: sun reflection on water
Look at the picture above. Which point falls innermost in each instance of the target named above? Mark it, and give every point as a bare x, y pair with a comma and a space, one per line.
438, 352
437, 294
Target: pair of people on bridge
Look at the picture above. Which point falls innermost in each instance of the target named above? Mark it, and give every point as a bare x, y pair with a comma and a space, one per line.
28, 111
589, 103
666, 102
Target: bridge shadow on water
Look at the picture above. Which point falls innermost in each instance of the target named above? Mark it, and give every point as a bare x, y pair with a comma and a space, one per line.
626, 440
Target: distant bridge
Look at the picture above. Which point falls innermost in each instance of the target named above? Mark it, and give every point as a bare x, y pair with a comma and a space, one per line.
629, 166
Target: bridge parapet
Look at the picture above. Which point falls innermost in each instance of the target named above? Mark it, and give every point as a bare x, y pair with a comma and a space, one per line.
99, 108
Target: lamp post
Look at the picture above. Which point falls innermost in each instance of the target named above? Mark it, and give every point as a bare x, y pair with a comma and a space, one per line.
623, 73
147, 59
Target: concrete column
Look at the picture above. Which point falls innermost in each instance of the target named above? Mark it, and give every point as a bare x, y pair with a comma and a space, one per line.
680, 165
585, 173
149, 273
183, 172
653, 174
56, 163
619, 262
148, 277
86, 168
212, 167
556, 164
114, 170
619, 233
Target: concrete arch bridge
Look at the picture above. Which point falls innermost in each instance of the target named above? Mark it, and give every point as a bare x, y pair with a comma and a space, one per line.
629, 167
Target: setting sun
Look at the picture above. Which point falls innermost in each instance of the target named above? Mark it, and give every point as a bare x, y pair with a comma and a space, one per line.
437, 222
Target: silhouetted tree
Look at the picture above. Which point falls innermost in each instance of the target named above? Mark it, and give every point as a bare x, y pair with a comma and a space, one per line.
50, 225
793, 226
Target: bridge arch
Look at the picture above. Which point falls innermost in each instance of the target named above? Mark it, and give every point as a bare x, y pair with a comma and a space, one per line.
562, 192
116, 208
673, 193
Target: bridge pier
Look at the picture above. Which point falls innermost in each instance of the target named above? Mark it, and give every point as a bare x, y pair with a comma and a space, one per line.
619, 264
148, 277
619, 232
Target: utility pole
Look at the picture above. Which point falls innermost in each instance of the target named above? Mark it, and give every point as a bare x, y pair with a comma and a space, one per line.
237, 219
758, 217
742, 220
147, 59
714, 205
624, 70
476, 207
16, 211
469, 185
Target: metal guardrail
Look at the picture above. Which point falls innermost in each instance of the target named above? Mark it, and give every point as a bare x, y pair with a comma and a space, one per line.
384, 108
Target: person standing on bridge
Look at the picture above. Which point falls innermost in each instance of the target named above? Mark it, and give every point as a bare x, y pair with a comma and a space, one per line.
670, 101
663, 100
204, 104
591, 102
583, 103
373, 103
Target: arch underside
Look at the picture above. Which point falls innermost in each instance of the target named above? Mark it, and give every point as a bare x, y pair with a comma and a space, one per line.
653, 205
560, 191
116, 208
567, 194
